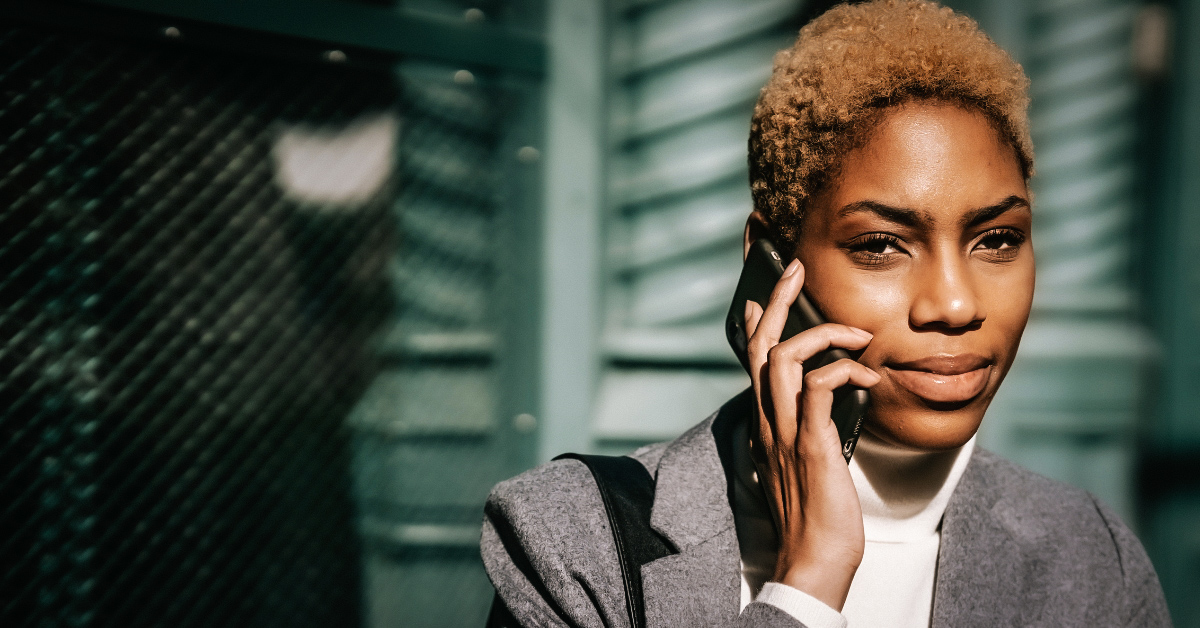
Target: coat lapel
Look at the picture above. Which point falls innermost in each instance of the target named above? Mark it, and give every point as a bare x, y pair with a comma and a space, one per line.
980, 564
701, 585
980, 569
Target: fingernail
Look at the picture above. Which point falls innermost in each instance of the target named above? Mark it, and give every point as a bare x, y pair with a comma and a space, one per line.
862, 332
791, 269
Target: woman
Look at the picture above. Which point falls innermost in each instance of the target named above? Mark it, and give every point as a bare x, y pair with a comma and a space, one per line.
890, 156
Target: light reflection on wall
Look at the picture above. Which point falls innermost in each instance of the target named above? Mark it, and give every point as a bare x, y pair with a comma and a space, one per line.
338, 167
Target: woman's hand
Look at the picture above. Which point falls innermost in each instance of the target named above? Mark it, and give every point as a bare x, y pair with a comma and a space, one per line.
796, 447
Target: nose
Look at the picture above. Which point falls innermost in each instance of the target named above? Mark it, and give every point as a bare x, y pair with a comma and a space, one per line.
947, 296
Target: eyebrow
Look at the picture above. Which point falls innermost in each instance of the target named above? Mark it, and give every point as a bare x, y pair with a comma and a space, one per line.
898, 215
986, 214
917, 219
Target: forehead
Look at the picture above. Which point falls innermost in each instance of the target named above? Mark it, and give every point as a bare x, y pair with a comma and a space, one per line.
940, 159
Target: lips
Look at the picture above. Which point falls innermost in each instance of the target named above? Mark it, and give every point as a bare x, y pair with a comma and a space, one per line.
943, 378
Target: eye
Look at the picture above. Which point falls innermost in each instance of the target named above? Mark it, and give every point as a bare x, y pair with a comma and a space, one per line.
874, 248
1001, 244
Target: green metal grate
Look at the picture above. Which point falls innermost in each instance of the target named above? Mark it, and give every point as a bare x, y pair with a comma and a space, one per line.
180, 343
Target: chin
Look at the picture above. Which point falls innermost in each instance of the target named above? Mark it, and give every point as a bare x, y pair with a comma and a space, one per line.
925, 428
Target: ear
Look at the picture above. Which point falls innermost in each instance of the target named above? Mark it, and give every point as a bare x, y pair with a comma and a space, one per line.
756, 227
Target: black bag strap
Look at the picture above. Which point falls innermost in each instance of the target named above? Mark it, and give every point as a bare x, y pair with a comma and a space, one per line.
628, 494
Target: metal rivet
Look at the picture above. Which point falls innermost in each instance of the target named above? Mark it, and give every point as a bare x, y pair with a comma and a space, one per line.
464, 77
335, 56
528, 154
524, 422
172, 32
474, 15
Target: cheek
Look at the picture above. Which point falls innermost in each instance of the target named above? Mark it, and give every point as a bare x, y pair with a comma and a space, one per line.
1008, 299
876, 304
1007, 291
847, 295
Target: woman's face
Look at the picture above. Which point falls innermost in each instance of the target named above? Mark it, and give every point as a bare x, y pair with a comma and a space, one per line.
924, 241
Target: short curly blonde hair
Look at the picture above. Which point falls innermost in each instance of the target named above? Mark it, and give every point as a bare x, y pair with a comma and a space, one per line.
848, 65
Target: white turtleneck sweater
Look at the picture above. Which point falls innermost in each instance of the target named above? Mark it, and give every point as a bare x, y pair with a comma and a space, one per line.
903, 495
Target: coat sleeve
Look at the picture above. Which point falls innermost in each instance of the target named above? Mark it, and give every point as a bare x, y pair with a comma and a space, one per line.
550, 554
548, 550
1144, 601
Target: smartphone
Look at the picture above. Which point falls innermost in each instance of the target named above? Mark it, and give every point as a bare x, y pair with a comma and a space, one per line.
763, 269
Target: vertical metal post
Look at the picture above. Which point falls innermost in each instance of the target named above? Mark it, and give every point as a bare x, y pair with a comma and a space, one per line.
522, 160
1179, 304
1169, 479
571, 235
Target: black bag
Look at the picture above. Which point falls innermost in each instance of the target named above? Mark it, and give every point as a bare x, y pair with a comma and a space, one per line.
628, 494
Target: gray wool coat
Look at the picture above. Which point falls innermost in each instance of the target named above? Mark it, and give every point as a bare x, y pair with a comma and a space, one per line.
1017, 549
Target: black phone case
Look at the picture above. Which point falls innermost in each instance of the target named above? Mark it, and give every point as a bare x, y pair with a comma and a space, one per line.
762, 271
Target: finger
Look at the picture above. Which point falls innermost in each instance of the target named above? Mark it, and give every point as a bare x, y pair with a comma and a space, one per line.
761, 435
810, 342
753, 314
756, 359
840, 373
784, 381
770, 326
766, 409
817, 400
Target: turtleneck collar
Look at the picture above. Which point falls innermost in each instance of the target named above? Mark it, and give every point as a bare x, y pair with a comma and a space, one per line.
904, 492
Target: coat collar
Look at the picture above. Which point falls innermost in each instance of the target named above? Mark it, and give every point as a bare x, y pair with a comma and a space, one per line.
701, 585
979, 568
691, 498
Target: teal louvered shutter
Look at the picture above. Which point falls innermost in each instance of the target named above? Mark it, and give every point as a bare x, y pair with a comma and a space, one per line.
684, 76
450, 413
